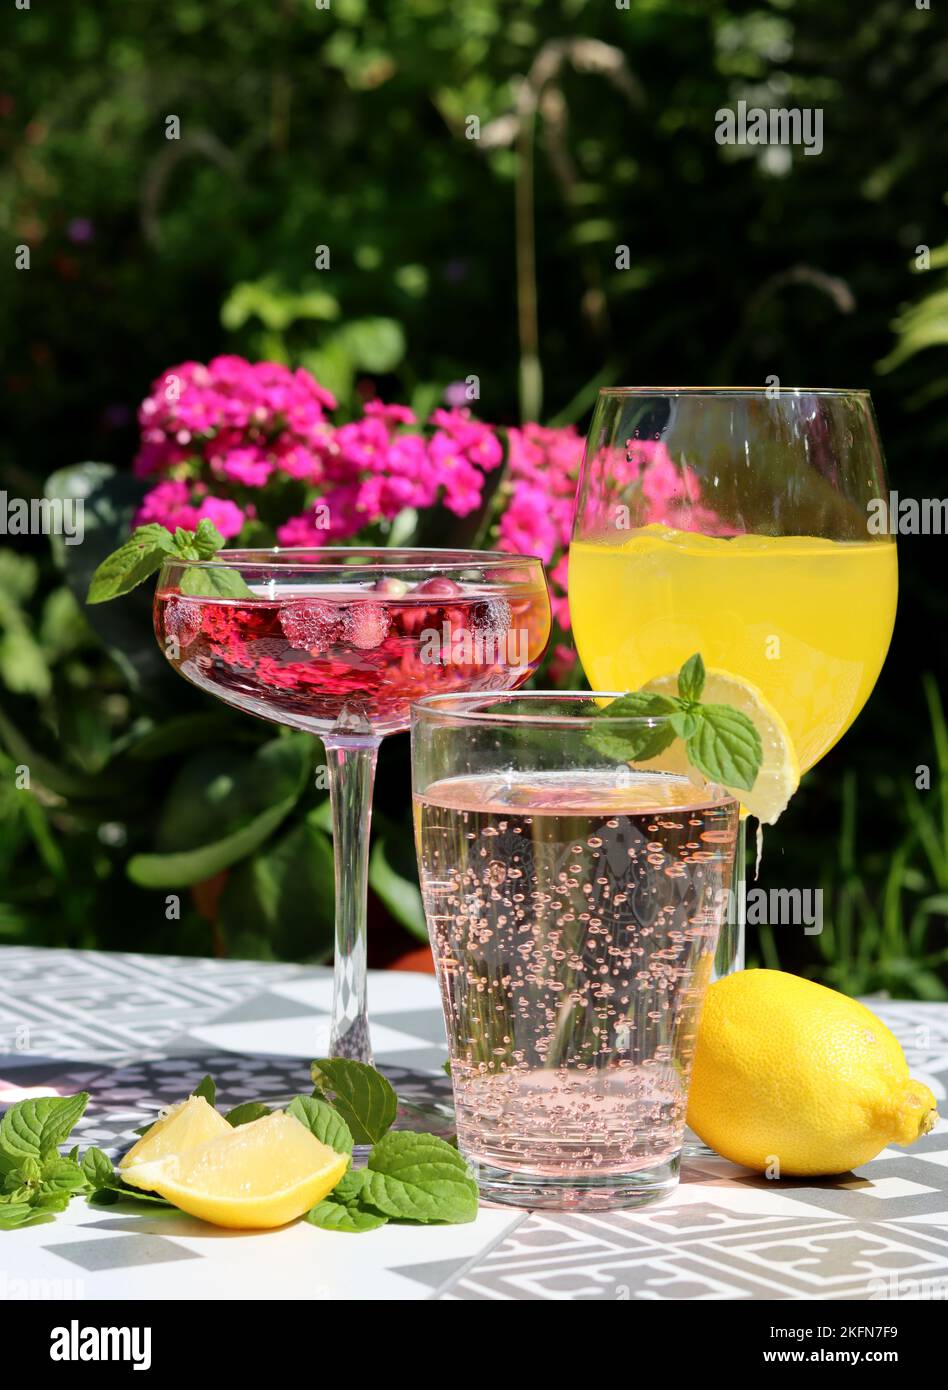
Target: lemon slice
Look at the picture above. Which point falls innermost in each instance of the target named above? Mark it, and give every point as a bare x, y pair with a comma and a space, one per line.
185, 1126
779, 774
256, 1176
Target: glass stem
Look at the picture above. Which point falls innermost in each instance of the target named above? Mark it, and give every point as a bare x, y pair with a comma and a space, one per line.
351, 778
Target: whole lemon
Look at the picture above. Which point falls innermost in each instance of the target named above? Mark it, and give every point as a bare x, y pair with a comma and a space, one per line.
793, 1078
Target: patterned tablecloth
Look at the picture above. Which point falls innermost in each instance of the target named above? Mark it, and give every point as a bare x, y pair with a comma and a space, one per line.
140, 1031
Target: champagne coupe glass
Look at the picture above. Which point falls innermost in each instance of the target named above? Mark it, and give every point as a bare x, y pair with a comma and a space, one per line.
338, 642
737, 522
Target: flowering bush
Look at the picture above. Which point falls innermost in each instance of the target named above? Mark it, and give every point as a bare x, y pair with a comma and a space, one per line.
216, 435
219, 439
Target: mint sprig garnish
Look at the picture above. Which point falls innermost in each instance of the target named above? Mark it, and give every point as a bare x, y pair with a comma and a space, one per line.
145, 552
36, 1181
409, 1177
720, 741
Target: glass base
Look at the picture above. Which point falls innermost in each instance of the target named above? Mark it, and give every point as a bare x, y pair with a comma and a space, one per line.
427, 1117
697, 1148
605, 1192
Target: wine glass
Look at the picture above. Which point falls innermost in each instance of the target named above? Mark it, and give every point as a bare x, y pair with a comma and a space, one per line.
338, 642
737, 522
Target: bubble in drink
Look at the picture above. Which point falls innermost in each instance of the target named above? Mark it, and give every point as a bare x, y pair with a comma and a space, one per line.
574, 927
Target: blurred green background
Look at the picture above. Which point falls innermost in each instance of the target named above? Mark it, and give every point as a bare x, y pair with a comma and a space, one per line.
349, 127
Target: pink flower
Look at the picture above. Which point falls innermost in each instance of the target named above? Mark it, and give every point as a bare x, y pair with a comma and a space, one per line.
301, 531
526, 527
298, 460
226, 516
391, 414
248, 466
169, 504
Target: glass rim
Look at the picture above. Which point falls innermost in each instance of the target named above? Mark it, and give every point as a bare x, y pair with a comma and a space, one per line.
365, 558
768, 392
474, 708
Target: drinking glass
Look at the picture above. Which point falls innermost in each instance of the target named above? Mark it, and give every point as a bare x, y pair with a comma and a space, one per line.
736, 522
574, 901
338, 642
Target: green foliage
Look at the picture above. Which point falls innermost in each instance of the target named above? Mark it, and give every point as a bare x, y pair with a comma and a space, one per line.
885, 911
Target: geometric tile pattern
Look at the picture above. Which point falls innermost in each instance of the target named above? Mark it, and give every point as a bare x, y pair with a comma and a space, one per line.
139, 1031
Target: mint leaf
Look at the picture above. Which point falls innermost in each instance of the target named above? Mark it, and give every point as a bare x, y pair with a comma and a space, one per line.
362, 1096
142, 554
184, 546
350, 1186
214, 582
345, 1209
63, 1175
335, 1216
685, 722
691, 679
16, 1215
34, 1128
323, 1121
247, 1112
97, 1167
207, 539
119, 1191
207, 1088
51, 1200
416, 1177
631, 744
27, 1176
726, 747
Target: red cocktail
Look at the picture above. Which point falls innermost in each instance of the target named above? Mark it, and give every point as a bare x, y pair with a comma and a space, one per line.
339, 642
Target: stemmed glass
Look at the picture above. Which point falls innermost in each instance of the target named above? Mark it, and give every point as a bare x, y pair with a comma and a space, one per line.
338, 642
737, 522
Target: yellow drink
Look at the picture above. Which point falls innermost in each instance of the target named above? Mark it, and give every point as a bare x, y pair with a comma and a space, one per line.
805, 619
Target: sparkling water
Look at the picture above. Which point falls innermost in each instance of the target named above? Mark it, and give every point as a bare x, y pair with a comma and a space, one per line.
574, 917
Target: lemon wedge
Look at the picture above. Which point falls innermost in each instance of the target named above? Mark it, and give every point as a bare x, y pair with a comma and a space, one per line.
257, 1176
186, 1125
779, 774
